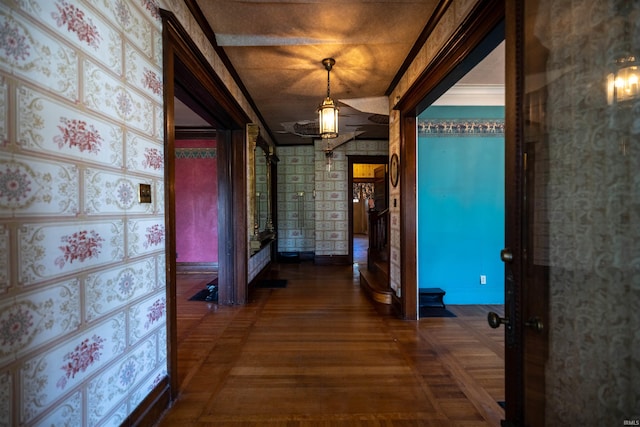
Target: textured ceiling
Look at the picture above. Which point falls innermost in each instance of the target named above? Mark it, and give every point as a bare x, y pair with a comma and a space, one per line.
277, 47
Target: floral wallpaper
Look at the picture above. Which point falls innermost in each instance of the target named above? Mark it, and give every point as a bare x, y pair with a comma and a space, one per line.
82, 306
83, 333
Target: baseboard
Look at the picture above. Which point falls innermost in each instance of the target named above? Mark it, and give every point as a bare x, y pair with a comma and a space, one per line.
196, 267
150, 410
332, 259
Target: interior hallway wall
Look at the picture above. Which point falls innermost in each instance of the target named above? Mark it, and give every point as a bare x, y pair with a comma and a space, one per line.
83, 329
82, 270
461, 202
320, 224
333, 194
196, 183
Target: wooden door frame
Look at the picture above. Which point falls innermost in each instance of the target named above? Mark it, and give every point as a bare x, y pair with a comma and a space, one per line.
447, 67
514, 175
188, 75
353, 159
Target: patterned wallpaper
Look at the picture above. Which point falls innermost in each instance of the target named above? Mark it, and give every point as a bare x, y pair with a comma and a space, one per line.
82, 317
333, 194
296, 212
317, 224
82, 262
591, 208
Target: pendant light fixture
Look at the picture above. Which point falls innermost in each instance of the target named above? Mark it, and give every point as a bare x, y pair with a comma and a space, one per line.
328, 110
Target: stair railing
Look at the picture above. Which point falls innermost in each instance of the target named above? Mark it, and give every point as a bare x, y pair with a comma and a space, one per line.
378, 238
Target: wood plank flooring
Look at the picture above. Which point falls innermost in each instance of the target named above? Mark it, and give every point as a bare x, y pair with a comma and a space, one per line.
318, 353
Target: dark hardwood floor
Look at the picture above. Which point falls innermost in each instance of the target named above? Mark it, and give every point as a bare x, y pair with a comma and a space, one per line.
318, 353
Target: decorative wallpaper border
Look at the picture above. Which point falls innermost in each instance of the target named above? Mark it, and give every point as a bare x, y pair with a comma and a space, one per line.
461, 127
196, 153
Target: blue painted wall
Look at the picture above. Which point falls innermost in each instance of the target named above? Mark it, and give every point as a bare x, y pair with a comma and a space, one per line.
461, 202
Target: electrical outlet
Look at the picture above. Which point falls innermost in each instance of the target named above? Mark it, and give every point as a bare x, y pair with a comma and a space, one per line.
483, 279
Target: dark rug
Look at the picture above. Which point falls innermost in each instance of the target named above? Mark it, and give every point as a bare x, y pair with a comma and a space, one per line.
435, 312
208, 294
271, 283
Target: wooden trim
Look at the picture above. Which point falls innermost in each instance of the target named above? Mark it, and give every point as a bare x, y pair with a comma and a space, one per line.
188, 75
196, 267
195, 133
225, 219
483, 19
150, 410
204, 91
433, 22
168, 37
514, 187
456, 57
332, 260
239, 216
408, 210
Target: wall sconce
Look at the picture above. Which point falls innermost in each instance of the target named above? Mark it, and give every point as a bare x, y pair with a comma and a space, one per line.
328, 110
622, 84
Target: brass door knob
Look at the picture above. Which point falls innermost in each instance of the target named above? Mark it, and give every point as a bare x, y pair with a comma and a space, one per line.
506, 255
535, 323
495, 320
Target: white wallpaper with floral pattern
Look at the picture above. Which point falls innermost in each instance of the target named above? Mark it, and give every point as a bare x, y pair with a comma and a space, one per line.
83, 333
82, 281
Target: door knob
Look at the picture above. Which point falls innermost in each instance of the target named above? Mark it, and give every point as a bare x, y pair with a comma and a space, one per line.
535, 323
495, 320
506, 255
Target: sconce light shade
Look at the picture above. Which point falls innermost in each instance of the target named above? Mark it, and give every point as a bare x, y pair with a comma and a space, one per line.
328, 110
328, 119
622, 85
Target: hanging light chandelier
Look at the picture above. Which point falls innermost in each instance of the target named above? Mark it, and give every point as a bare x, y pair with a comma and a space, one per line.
328, 110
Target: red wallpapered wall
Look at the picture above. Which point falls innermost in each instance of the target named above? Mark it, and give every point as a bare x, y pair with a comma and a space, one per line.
196, 187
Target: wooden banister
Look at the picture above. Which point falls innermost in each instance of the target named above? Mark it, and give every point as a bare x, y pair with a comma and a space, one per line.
378, 238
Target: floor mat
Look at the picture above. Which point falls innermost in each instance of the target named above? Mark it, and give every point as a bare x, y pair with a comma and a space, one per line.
435, 312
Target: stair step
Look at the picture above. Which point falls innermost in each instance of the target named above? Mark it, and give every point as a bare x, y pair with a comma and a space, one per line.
375, 287
431, 297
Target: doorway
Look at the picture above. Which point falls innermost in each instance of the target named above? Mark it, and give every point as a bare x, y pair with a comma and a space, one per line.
460, 187
368, 181
190, 78
196, 192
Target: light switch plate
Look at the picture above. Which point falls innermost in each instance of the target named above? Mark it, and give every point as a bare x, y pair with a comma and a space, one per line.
144, 194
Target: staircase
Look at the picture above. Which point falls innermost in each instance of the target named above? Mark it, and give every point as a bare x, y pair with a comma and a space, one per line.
374, 280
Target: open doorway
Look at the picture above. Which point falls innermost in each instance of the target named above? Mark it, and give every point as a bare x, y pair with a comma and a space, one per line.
196, 188
368, 181
460, 188
189, 78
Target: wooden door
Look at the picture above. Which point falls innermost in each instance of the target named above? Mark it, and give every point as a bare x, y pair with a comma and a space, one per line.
526, 235
573, 185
